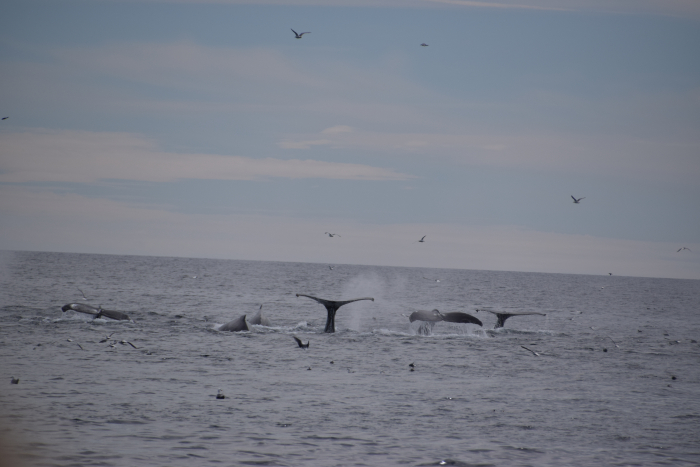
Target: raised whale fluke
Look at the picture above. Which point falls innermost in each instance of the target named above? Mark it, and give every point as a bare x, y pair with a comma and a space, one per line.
332, 306
96, 312
503, 316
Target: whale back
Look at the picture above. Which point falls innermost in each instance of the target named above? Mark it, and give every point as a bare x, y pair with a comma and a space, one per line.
459, 317
80, 308
236, 325
424, 315
259, 319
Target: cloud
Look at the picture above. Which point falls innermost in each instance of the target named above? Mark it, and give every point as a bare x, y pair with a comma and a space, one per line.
658, 7
83, 157
618, 155
31, 220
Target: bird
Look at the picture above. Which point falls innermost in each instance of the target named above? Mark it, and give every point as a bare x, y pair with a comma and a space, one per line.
330, 267
684, 248
220, 394
83, 293
14, 380
434, 280
576, 201
424, 44
5, 118
298, 36
530, 350
332, 234
422, 240
303, 346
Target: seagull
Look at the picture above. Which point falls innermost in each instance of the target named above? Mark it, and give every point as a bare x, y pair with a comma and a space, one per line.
684, 248
424, 44
434, 280
83, 293
330, 267
298, 36
422, 240
576, 201
220, 394
303, 346
530, 350
5, 118
332, 234
14, 380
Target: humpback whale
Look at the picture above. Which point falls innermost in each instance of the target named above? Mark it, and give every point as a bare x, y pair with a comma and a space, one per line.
96, 312
236, 325
430, 318
503, 316
332, 306
434, 316
259, 318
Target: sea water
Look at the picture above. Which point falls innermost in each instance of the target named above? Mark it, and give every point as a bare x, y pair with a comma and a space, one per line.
610, 376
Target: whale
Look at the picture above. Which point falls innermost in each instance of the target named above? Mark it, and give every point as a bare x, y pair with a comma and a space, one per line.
434, 316
332, 307
259, 319
430, 318
98, 312
502, 316
237, 325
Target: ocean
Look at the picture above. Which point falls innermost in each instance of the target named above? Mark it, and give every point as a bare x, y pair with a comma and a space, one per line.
610, 376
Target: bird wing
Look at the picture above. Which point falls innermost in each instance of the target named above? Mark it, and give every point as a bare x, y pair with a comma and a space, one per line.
295, 33
298, 340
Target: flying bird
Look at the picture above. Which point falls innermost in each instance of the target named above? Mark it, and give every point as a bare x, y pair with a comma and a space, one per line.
424, 44
5, 118
83, 293
332, 234
684, 248
298, 36
422, 240
303, 346
576, 201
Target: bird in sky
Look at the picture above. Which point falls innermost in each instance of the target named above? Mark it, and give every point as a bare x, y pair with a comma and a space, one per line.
422, 240
684, 248
298, 36
5, 118
576, 201
424, 44
332, 234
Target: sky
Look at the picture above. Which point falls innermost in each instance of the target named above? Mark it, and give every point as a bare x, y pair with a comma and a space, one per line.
199, 128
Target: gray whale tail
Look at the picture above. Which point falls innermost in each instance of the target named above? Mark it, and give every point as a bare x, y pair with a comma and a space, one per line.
501, 316
96, 312
332, 307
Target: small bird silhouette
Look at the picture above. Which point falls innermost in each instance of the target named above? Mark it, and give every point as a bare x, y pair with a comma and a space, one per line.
302, 345
422, 240
684, 248
298, 36
220, 394
14, 380
576, 201
424, 44
332, 234
5, 118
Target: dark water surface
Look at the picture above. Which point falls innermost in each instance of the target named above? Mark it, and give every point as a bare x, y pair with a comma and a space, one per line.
476, 396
